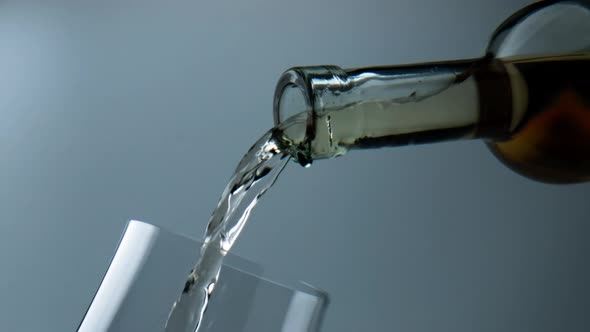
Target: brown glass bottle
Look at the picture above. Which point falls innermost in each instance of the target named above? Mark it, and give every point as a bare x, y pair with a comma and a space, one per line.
528, 98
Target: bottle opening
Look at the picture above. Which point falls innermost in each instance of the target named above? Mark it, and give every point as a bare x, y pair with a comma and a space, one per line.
291, 102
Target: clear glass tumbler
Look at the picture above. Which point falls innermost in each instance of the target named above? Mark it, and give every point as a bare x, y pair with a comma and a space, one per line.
147, 275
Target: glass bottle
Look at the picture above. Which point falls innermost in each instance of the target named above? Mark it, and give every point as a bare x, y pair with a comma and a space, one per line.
528, 98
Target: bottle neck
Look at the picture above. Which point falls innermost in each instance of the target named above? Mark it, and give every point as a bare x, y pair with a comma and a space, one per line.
337, 110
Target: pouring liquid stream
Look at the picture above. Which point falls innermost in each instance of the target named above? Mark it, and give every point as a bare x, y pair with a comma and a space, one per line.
254, 175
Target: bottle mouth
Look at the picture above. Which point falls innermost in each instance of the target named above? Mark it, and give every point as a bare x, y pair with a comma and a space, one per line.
293, 114
301, 94
291, 97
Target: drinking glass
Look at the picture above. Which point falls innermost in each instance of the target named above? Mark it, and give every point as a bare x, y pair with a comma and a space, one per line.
147, 275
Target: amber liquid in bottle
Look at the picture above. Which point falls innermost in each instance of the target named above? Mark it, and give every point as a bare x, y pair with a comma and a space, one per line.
552, 141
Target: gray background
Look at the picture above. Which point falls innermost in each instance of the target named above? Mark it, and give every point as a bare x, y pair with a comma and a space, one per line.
113, 110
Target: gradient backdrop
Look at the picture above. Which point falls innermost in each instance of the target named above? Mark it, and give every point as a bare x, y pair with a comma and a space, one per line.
113, 110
